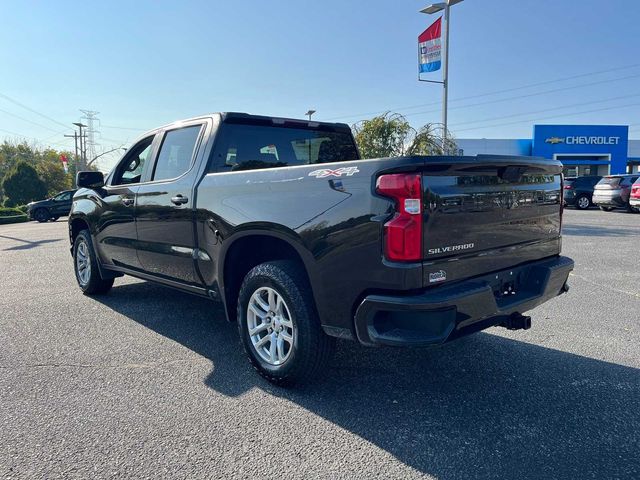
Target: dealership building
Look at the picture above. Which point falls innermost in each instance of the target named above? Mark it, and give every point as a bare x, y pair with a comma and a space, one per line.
583, 149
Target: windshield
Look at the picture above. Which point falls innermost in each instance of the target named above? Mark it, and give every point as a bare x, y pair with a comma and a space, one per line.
246, 147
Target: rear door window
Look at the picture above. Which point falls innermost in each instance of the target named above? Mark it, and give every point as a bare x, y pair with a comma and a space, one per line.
248, 147
176, 152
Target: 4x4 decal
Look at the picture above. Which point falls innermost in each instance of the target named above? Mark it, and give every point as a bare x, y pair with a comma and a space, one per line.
327, 172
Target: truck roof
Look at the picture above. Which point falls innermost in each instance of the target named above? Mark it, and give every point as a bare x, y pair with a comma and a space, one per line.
247, 118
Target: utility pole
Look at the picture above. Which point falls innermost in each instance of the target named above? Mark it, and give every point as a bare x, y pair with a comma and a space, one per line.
75, 143
430, 10
83, 148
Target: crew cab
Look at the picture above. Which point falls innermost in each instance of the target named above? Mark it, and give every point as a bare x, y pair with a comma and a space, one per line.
302, 241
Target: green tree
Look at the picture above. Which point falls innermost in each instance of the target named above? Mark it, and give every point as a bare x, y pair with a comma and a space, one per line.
52, 173
21, 185
391, 135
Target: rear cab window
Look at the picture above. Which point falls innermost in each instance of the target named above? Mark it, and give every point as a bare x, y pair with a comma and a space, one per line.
242, 146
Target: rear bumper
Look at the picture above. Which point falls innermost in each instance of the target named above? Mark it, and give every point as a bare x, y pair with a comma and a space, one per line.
615, 201
443, 313
634, 202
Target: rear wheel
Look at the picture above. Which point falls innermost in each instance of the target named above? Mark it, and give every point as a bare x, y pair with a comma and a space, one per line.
86, 266
279, 325
583, 202
606, 209
42, 215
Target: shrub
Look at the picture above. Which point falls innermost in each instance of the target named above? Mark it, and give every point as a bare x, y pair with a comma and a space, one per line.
12, 215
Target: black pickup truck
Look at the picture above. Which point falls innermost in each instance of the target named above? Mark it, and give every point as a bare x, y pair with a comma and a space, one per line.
302, 241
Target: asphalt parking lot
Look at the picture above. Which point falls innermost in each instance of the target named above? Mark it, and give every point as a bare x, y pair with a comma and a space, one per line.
149, 382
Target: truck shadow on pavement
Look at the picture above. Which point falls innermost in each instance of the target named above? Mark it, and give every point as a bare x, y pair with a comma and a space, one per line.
27, 244
484, 406
597, 231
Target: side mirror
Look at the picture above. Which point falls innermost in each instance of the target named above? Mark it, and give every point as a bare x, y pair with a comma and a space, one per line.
90, 180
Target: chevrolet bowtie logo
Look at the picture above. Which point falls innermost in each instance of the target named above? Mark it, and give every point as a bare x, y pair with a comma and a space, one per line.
554, 140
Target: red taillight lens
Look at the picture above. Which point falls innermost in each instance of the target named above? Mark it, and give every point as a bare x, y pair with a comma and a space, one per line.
403, 233
635, 192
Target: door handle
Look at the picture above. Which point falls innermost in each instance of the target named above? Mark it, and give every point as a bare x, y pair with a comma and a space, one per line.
179, 199
127, 202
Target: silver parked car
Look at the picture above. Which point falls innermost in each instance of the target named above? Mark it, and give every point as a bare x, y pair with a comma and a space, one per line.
613, 192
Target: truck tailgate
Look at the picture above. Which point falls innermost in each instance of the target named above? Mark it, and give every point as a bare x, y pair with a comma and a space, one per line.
488, 213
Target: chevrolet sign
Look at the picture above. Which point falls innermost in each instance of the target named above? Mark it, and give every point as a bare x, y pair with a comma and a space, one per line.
578, 140
583, 140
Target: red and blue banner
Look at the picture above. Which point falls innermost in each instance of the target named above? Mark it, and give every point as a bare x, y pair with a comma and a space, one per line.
430, 47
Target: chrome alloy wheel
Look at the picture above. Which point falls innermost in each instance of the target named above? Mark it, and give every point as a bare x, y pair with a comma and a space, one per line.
583, 202
83, 262
270, 326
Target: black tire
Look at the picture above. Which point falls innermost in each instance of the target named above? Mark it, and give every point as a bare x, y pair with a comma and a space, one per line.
94, 283
53, 219
580, 203
606, 209
42, 215
312, 348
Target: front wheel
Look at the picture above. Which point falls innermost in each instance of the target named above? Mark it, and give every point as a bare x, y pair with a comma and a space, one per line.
42, 215
279, 324
583, 202
606, 209
86, 266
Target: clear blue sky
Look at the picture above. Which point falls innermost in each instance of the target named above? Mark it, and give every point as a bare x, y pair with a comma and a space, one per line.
142, 64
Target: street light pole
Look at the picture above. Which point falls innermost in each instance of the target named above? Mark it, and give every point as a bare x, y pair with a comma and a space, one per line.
309, 113
430, 10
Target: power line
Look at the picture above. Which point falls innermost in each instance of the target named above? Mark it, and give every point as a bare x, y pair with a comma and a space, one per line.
122, 128
15, 134
28, 121
531, 120
2, 95
623, 97
495, 92
535, 94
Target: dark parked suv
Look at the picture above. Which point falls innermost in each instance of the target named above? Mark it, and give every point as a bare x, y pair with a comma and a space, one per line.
52, 208
578, 191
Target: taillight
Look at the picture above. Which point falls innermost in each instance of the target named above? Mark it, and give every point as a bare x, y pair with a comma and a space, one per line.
635, 192
568, 187
403, 233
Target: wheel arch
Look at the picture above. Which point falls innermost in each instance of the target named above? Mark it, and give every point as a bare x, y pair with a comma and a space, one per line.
249, 248
77, 223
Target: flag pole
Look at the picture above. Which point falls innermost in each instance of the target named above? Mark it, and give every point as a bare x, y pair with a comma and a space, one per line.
430, 10
445, 78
